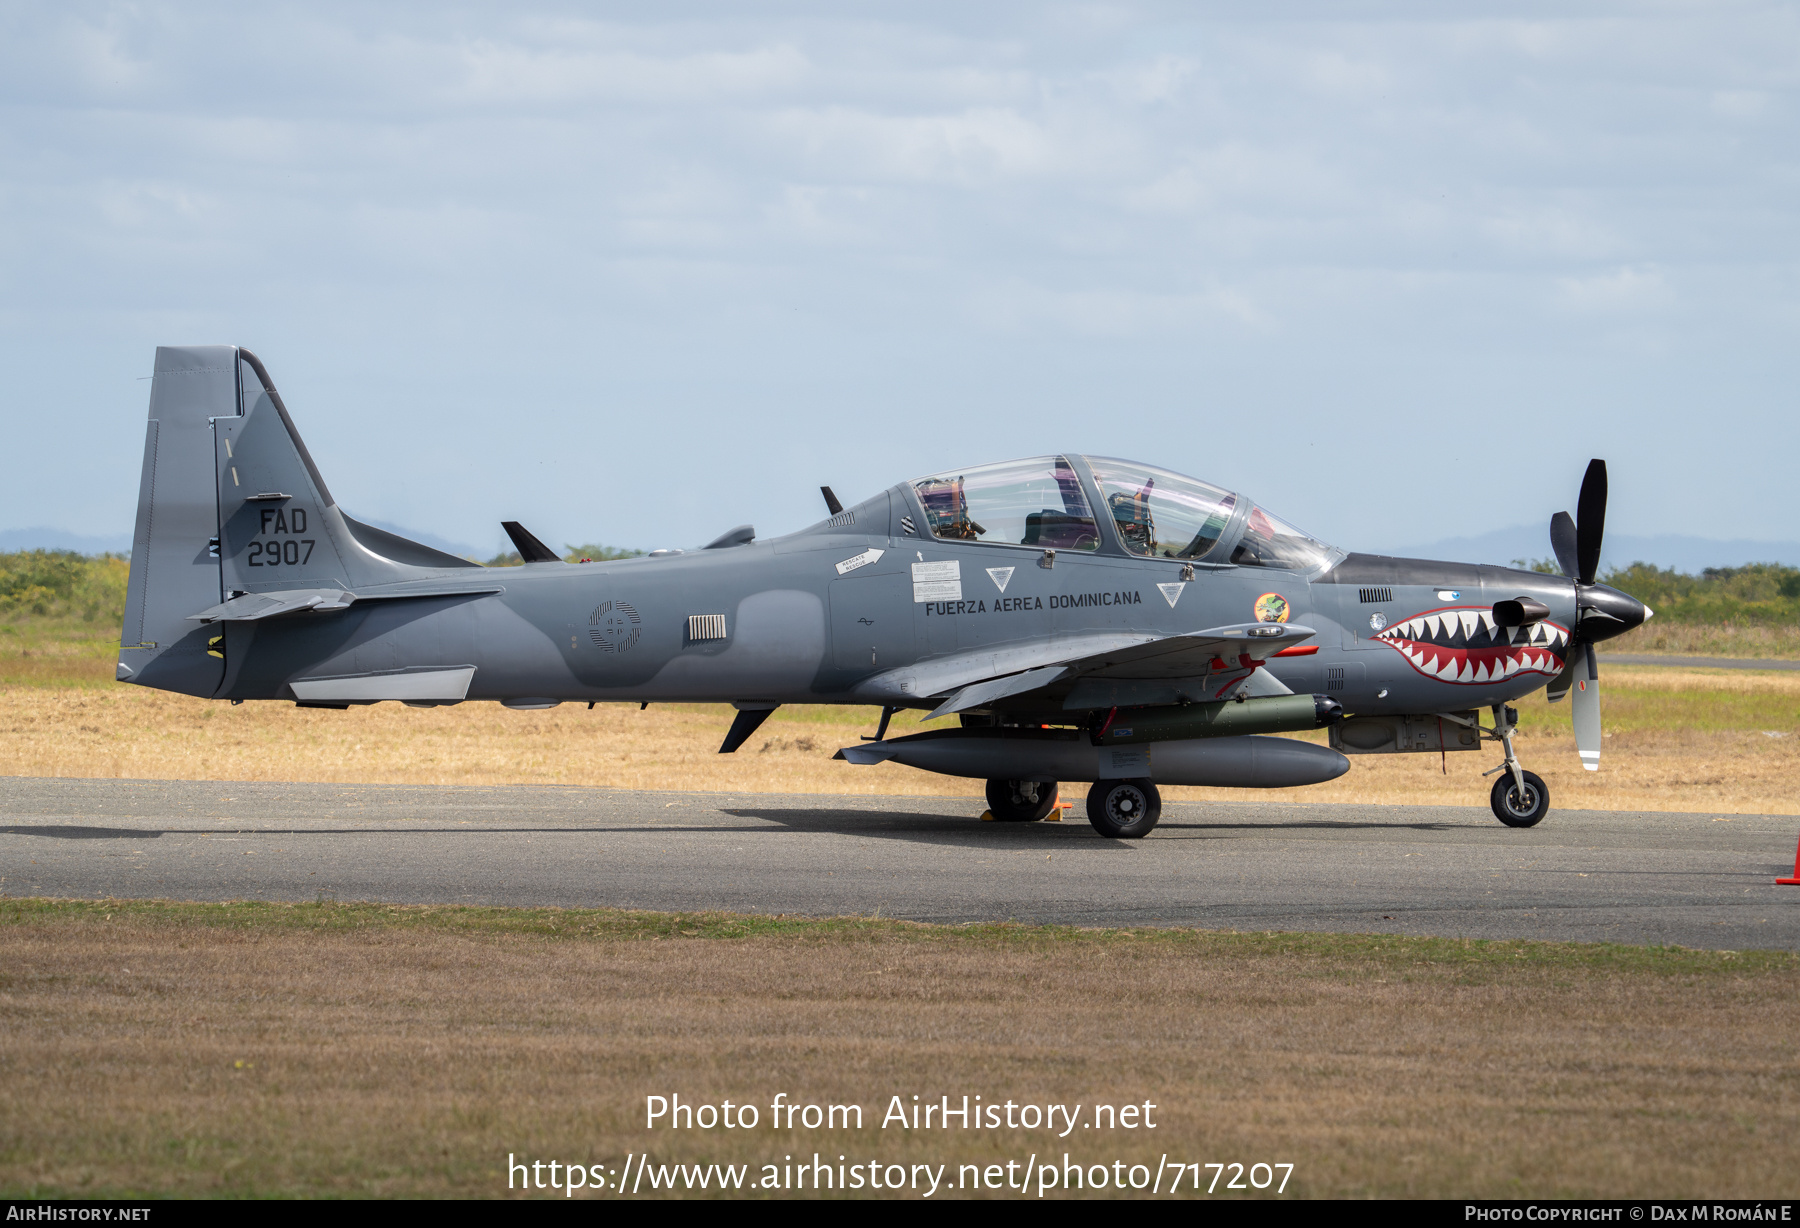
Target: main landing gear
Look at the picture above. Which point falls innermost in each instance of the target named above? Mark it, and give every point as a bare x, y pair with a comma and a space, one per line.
1118, 809
1519, 798
1124, 809
1021, 801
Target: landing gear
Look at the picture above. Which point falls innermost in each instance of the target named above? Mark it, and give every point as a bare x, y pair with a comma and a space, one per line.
1124, 809
1021, 801
1519, 798
1520, 804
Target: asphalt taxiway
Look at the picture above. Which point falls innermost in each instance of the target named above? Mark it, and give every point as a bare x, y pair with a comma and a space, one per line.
1691, 879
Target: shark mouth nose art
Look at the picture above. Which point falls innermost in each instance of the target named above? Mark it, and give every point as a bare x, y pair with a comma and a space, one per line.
1467, 646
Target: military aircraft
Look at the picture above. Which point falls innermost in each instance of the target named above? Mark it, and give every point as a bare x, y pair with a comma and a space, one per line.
1086, 619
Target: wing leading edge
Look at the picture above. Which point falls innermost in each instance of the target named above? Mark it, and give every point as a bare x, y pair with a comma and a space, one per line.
1166, 669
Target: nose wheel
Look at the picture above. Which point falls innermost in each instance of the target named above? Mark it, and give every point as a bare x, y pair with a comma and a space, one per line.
1520, 803
1519, 798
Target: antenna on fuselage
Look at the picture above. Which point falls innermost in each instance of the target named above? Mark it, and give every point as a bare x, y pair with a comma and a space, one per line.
831, 500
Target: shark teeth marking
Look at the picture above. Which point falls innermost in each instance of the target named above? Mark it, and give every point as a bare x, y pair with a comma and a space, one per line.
1463, 645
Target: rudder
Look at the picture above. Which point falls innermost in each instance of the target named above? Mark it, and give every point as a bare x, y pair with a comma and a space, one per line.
174, 550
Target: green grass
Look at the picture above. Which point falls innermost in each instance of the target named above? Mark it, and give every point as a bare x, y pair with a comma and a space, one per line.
1397, 953
1630, 706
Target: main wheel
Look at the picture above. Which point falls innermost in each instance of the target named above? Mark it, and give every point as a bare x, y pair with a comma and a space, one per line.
1518, 806
1124, 809
1021, 801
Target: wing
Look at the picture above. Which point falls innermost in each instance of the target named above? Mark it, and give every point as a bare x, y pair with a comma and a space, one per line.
1115, 670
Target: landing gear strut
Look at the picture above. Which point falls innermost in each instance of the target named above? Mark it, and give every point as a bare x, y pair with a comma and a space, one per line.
1519, 798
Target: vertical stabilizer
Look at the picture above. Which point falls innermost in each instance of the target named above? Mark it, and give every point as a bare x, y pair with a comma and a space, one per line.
279, 527
174, 552
231, 503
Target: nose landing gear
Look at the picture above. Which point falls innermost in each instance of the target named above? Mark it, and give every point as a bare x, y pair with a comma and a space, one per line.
1519, 798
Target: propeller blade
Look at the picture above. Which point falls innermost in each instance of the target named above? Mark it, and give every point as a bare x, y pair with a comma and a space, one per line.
1586, 708
1562, 542
1590, 521
1565, 681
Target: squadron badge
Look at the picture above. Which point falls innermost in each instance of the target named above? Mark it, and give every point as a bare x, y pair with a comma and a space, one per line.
1271, 608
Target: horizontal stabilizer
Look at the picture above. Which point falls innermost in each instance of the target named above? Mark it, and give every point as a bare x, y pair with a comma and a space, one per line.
530, 549
252, 607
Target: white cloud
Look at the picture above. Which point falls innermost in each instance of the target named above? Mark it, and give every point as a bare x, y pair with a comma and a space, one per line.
1117, 312
721, 214
1625, 289
969, 148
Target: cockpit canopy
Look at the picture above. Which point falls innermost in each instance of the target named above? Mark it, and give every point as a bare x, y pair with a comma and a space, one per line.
1043, 502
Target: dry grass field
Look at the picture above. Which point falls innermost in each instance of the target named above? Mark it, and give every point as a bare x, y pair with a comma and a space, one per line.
233, 1050
1707, 740
362, 1050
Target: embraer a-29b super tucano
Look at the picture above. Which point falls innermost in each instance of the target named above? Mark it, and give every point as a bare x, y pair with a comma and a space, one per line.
1085, 618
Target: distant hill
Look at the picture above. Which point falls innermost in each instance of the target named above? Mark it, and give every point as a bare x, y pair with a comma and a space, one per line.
42, 538
1686, 554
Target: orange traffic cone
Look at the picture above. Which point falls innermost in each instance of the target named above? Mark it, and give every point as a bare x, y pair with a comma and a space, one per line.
1794, 881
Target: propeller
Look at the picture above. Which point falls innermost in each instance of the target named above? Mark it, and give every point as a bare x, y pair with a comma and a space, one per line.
1576, 543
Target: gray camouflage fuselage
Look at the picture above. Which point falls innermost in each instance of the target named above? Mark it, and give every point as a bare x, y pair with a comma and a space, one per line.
297, 601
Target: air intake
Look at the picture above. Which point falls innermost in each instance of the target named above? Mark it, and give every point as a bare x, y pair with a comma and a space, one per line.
705, 627
1334, 678
1376, 594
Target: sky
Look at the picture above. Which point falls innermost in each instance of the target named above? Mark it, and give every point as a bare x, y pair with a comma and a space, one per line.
636, 274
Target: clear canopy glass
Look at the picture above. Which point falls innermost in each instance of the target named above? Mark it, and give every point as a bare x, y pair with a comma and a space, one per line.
1035, 502
1270, 542
1159, 513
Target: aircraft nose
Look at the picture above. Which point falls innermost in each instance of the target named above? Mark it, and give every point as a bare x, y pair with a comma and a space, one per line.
1606, 612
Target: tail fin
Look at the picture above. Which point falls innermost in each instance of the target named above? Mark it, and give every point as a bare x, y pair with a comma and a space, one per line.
230, 502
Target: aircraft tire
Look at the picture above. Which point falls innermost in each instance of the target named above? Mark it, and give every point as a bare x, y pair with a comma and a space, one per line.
1124, 809
1516, 811
1007, 805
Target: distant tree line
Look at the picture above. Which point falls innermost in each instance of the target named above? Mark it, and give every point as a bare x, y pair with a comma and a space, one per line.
590, 553
63, 586
1759, 594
